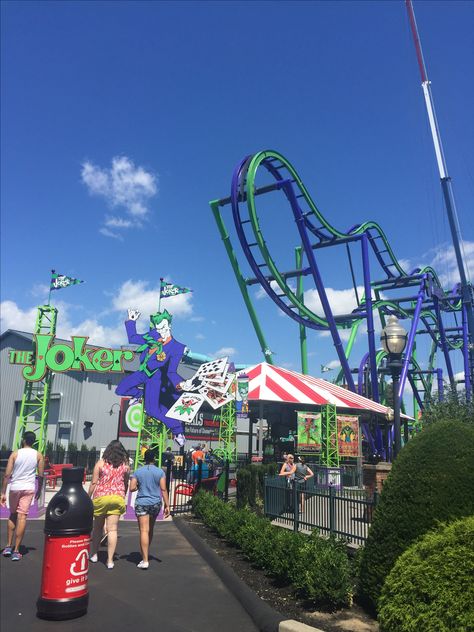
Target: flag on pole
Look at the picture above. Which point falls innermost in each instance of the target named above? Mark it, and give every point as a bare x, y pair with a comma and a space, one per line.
58, 281
325, 369
168, 289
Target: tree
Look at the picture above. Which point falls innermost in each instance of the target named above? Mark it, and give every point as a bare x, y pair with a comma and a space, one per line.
454, 407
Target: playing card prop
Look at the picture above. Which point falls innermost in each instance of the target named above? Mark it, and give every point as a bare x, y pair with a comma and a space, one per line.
211, 383
309, 432
186, 407
348, 435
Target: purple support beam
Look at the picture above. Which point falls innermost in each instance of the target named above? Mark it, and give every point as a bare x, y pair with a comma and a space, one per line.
411, 336
360, 374
416, 394
444, 345
369, 437
300, 223
439, 375
379, 442
465, 352
370, 318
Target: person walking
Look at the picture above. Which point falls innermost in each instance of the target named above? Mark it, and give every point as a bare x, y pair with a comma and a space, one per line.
107, 489
302, 473
168, 459
21, 473
150, 481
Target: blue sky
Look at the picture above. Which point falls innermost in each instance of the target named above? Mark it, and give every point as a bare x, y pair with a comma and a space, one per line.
121, 120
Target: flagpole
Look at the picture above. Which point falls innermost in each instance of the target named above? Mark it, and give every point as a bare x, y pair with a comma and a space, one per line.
159, 299
50, 283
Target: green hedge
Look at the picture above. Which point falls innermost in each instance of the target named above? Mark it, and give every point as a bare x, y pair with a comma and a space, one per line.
318, 568
431, 481
431, 586
250, 483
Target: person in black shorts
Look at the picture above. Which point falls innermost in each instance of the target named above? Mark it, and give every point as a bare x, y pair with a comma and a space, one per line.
150, 482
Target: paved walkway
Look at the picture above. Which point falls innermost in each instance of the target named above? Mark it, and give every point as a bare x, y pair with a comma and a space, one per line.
178, 593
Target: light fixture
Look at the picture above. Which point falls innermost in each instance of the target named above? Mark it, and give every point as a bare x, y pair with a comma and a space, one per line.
394, 340
393, 337
111, 411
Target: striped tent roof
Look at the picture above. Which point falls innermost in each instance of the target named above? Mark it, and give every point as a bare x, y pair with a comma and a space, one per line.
272, 383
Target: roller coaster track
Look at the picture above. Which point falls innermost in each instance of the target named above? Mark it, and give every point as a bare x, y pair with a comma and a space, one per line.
315, 233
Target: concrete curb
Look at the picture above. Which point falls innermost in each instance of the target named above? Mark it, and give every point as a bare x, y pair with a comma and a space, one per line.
264, 616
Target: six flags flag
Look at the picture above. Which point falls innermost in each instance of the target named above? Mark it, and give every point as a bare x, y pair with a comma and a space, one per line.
168, 289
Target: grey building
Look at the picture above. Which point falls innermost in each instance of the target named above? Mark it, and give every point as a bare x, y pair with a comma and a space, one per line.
84, 408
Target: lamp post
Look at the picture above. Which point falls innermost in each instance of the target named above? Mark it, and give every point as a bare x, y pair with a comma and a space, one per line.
394, 340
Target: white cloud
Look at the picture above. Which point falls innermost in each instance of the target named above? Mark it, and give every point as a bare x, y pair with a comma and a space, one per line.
334, 364
41, 291
341, 301
261, 293
200, 337
14, 317
224, 351
138, 295
108, 233
118, 222
99, 334
443, 259
123, 185
445, 263
344, 334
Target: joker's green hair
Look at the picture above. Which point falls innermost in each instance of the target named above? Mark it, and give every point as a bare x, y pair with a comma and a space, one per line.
155, 319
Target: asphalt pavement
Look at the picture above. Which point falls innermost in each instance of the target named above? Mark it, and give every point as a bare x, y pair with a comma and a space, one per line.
178, 593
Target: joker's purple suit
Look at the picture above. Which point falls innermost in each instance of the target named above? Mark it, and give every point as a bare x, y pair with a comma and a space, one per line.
153, 375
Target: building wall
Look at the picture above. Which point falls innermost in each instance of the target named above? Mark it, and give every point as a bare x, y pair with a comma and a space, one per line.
76, 397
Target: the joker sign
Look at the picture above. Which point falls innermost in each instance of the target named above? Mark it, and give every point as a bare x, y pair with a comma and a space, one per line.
157, 380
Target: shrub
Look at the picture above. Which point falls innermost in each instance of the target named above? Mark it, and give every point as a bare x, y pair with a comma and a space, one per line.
319, 568
250, 484
72, 453
49, 450
454, 405
431, 481
246, 488
93, 457
430, 587
283, 554
322, 572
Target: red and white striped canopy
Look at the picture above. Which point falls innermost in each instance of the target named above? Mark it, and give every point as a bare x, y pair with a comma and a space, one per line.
272, 383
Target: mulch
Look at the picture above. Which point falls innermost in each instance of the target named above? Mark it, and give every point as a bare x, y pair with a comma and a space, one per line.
281, 597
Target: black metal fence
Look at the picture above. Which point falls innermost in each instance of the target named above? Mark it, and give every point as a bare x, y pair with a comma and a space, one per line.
303, 506
183, 482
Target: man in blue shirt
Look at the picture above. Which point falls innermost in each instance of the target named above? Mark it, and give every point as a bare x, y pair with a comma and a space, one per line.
150, 482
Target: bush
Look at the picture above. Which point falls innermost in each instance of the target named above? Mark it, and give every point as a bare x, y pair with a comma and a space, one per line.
430, 588
283, 554
454, 405
318, 568
250, 484
49, 450
431, 481
92, 459
72, 453
322, 571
